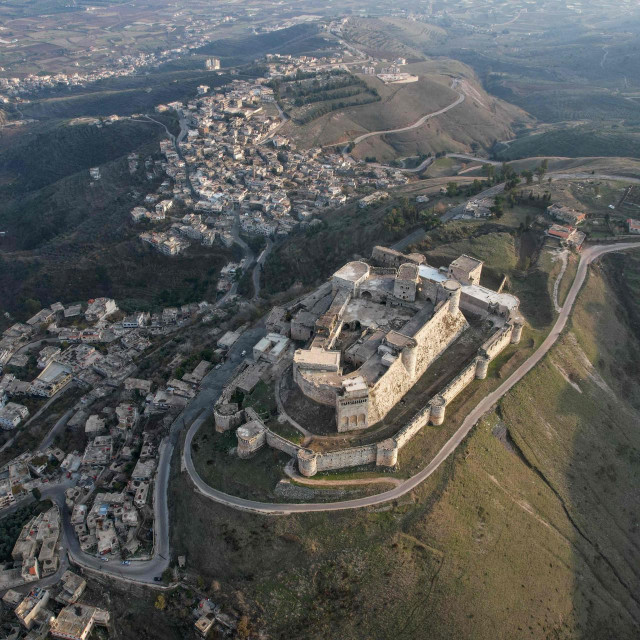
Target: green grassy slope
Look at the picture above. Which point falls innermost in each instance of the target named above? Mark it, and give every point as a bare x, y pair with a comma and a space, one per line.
121, 96
48, 191
56, 150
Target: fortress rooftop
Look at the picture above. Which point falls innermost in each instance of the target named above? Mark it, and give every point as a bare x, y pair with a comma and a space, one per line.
466, 262
352, 271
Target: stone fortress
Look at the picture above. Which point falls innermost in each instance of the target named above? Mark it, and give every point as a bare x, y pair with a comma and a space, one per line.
369, 334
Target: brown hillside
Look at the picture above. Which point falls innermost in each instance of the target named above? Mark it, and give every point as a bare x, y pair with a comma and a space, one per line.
480, 118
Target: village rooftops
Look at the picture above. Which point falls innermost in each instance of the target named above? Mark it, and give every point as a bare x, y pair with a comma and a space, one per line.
561, 232
76, 621
52, 371
634, 225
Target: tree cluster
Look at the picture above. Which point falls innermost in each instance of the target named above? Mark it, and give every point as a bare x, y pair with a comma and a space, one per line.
407, 214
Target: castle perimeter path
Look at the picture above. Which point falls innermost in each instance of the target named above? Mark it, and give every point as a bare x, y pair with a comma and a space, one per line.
589, 255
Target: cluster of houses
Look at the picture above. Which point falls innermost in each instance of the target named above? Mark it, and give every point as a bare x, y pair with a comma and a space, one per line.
120, 66
196, 33
110, 481
71, 354
281, 65
109, 501
55, 611
28, 471
233, 162
565, 230
35, 554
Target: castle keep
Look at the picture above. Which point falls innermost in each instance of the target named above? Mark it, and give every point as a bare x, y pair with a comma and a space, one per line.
409, 315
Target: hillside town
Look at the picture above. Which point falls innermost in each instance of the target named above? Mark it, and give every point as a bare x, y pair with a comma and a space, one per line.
233, 163
304, 305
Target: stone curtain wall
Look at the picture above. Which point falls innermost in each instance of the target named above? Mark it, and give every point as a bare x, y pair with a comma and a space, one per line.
498, 341
357, 456
282, 444
411, 428
462, 380
353, 457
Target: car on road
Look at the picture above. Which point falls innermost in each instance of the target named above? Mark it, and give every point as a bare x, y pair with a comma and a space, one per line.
126, 563
157, 579
244, 353
218, 365
104, 559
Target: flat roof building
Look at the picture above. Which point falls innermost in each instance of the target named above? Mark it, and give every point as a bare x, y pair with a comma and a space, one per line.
76, 621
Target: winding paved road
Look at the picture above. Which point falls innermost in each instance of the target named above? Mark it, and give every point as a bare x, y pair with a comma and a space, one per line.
588, 256
144, 571
417, 123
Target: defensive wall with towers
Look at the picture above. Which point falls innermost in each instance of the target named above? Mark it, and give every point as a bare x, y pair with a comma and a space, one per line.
405, 315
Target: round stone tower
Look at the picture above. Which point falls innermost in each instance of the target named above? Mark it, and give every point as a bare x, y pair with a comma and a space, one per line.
227, 416
410, 358
387, 453
482, 366
453, 291
518, 324
251, 437
438, 406
307, 462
